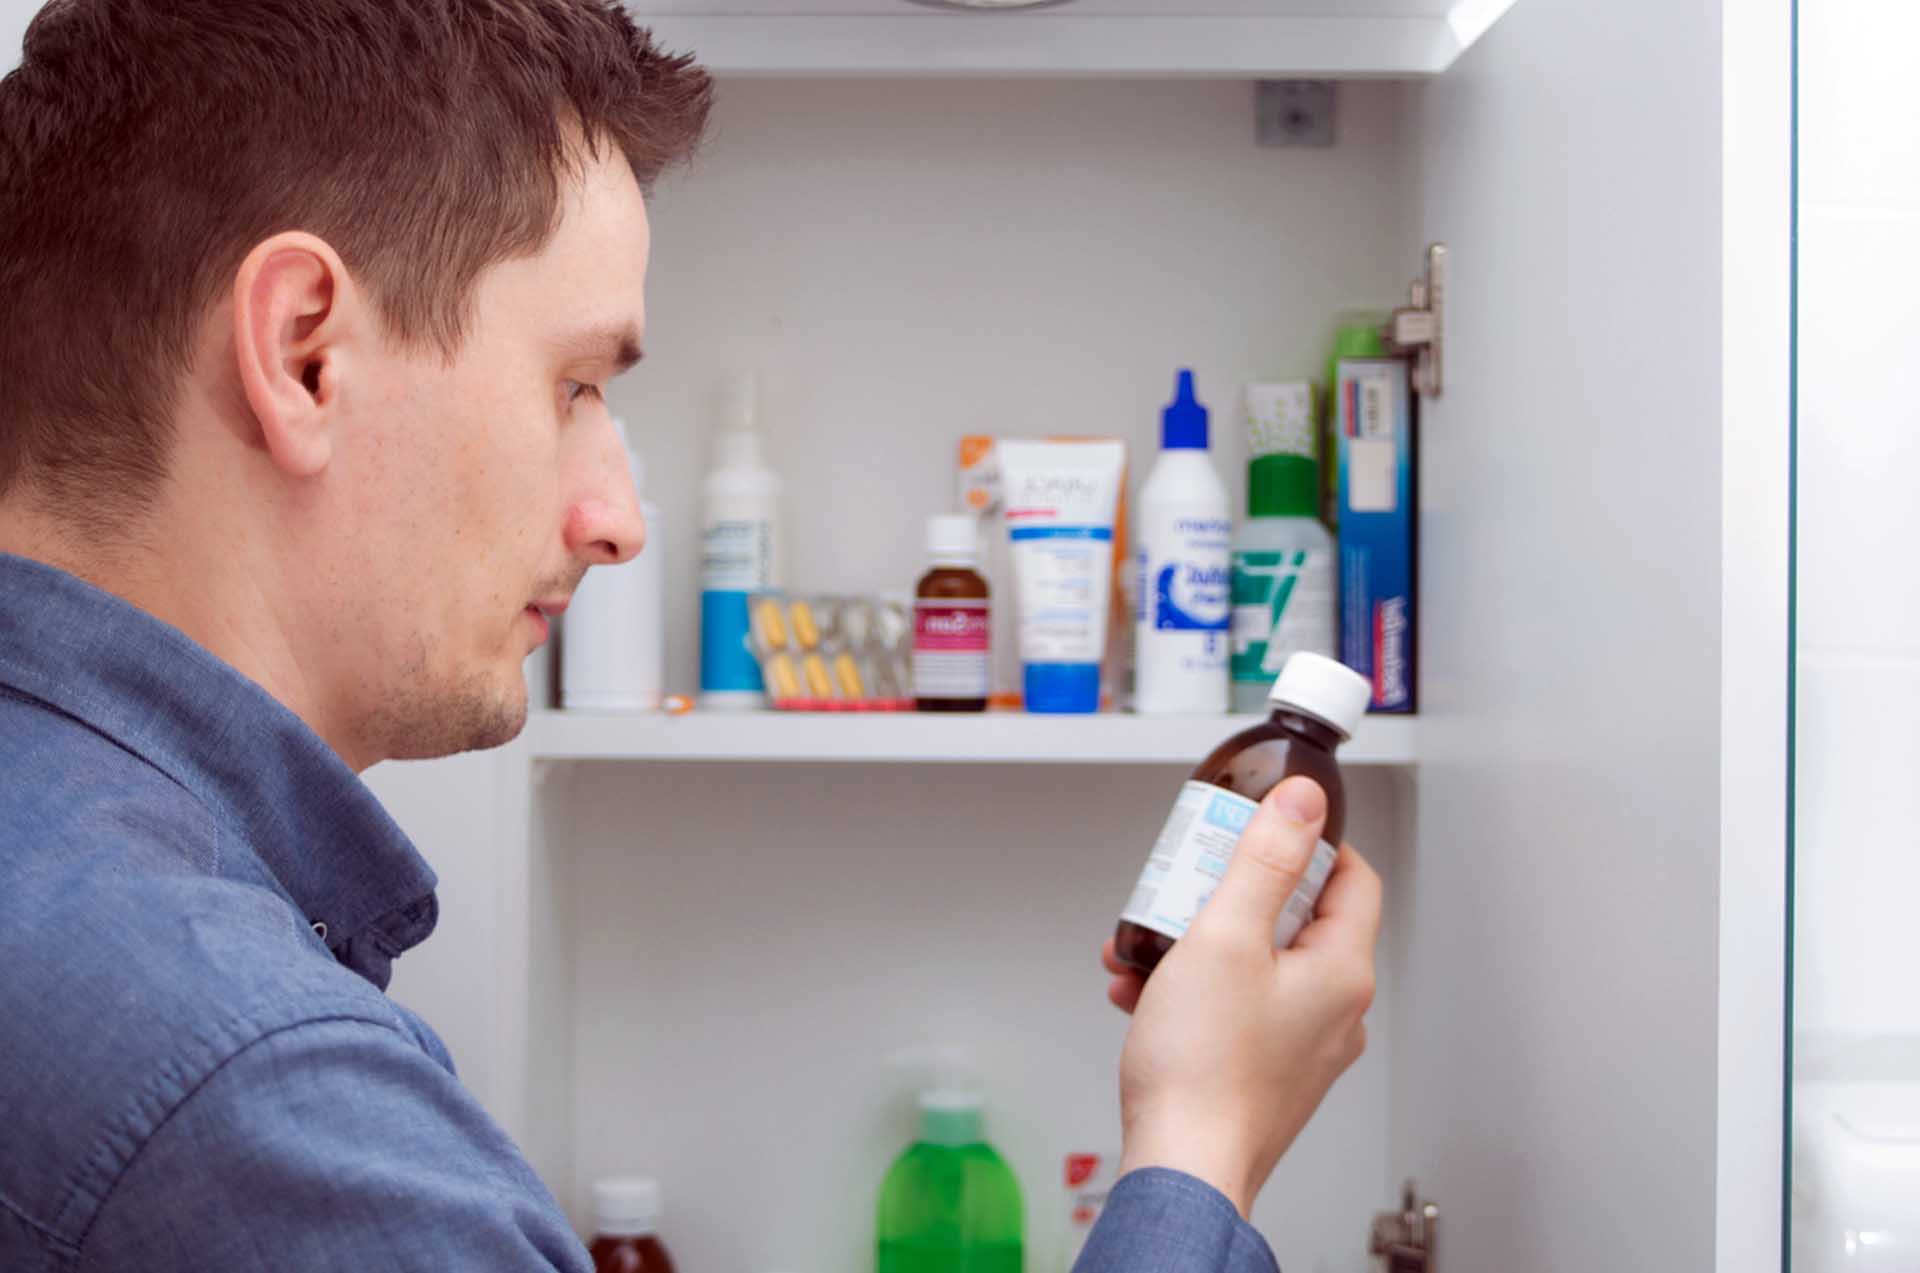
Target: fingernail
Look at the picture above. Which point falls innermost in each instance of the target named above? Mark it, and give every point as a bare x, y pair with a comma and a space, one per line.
1300, 800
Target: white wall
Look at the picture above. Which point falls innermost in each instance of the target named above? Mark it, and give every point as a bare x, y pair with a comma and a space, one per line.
751, 943
14, 16
1858, 827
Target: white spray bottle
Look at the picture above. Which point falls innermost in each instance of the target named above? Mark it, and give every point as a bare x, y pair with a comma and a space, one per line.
742, 550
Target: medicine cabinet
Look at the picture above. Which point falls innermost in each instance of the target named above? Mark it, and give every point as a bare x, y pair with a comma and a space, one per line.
691, 947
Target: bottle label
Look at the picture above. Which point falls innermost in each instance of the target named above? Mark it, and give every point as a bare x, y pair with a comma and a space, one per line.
737, 555
1282, 604
1185, 577
951, 653
736, 560
1192, 854
727, 664
1182, 593
1057, 569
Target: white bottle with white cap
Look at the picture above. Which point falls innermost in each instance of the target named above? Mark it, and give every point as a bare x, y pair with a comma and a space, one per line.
1316, 705
613, 656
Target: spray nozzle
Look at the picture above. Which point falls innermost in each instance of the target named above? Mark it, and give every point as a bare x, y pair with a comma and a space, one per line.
738, 442
740, 403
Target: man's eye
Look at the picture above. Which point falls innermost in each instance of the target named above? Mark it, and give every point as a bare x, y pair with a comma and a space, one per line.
577, 390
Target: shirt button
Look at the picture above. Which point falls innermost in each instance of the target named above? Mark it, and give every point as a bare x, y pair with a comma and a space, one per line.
320, 930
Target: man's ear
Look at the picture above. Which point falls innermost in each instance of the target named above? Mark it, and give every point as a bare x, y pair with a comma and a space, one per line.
293, 306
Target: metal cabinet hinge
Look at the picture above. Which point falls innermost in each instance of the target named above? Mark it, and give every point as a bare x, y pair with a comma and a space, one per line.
1419, 328
1406, 1240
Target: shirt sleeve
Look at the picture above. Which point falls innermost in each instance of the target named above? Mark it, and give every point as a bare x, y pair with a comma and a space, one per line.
1162, 1221
332, 1145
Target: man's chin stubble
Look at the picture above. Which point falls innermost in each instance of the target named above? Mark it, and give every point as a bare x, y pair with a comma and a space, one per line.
422, 725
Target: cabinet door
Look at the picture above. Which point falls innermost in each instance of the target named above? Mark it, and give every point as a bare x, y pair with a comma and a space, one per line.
1558, 927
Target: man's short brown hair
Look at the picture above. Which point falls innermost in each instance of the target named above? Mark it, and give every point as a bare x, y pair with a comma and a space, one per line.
147, 145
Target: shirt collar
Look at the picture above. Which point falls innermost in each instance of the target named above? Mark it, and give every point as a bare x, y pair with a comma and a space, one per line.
315, 827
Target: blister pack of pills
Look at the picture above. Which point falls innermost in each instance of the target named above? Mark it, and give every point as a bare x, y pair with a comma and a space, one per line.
834, 653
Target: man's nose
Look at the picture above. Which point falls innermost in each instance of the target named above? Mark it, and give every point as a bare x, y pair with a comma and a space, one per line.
604, 523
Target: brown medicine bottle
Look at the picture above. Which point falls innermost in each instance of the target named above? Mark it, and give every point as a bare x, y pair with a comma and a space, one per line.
952, 661
626, 1223
1316, 704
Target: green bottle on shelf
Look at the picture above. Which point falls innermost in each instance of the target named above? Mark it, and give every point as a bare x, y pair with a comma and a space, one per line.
950, 1203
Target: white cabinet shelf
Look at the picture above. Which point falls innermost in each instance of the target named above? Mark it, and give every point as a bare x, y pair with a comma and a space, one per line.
1203, 47
1246, 39
913, 738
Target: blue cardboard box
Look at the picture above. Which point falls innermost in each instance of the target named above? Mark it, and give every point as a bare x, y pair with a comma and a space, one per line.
1378, 503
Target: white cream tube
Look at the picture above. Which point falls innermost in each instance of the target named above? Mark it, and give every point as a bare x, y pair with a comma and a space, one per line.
1060, 500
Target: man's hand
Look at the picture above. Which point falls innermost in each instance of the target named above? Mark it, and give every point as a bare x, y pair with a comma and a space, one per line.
1234, 1043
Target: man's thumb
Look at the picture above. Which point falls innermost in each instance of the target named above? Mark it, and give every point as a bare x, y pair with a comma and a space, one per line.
1272, 855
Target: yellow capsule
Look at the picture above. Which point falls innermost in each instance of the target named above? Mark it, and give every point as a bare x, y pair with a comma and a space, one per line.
819, 684
848, 672
805, 630
768, 625
781, 676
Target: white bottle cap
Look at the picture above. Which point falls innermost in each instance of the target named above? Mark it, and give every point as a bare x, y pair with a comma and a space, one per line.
1324, 689
953, 537
951, 1116
626, 1207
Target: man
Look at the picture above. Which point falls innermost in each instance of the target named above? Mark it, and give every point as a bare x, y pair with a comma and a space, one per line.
310, 306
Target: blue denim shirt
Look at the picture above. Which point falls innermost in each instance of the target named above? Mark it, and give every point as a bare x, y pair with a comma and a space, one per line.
200, 905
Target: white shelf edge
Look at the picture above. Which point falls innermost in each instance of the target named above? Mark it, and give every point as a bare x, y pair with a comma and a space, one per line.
913, 738
1062, 45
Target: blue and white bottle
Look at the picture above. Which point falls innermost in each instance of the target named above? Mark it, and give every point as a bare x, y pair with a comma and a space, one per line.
1185, 589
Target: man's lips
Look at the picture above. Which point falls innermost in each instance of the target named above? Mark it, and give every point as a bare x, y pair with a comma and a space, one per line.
543, 613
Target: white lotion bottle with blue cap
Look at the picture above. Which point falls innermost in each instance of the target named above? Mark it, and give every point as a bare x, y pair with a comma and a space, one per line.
1185, 531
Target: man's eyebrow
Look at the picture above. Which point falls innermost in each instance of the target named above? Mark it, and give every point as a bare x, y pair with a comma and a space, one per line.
614, 344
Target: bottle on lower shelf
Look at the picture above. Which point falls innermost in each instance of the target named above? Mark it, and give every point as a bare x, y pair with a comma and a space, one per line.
950, 1201
626, 1223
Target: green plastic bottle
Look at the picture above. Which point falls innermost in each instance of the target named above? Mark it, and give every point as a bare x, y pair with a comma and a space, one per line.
950, 1204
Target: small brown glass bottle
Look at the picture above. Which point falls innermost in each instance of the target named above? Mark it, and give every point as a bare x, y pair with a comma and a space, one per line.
626, 1222
952, 658
1316, 705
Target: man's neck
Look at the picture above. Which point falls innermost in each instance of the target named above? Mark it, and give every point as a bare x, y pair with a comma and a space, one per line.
190, 575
